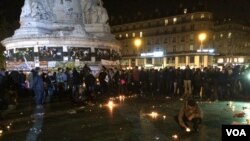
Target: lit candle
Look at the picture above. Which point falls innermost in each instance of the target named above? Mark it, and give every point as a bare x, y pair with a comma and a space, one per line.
188, 130
175, 136
1, 131
154, 115
164, 117
121, 97
110, 105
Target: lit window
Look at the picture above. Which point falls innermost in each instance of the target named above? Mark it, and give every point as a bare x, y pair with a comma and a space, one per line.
174, 20
202, 16
191, 47
241, 60
127, 35
185, 11
220, 60
141, 34
166, 21
133, 34
192, 17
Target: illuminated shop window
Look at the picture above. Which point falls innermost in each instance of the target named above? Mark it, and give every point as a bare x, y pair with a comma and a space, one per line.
166, 21
141, 34
174, 20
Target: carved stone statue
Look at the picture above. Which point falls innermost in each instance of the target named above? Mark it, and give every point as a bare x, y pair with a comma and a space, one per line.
26, 10
37, 9
50, 17
94, 12
88, 9
102, 13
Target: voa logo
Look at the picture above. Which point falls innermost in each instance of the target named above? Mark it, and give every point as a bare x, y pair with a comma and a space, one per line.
236, 132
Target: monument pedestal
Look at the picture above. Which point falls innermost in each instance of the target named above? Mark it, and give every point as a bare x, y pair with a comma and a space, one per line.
99, 30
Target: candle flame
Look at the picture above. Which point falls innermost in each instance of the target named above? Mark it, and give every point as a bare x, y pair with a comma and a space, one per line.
111, 105
188, 130
154, 115
175, 136
121, 97
164, 117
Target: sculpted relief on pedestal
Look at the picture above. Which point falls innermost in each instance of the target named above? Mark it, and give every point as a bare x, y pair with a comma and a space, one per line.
93, 12
53, 16
37, 10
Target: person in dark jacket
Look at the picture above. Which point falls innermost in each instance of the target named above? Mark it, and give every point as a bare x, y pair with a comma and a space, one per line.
187, 76
76, 84
38, 87
90, 83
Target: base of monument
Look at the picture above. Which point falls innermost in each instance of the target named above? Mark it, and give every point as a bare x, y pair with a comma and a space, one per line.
99, 30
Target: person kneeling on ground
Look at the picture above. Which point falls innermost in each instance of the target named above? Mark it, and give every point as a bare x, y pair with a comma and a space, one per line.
190, 112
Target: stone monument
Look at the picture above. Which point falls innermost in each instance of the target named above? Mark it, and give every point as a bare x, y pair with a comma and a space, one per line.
61, 32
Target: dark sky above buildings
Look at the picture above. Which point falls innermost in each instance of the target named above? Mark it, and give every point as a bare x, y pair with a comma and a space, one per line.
131, 10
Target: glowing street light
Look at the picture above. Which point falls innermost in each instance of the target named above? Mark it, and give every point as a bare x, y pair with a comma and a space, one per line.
137, 42
202, 37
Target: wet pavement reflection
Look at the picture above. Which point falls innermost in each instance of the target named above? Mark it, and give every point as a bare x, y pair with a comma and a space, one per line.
121, 118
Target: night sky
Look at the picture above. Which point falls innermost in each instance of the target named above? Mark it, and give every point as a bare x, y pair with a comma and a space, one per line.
131, 10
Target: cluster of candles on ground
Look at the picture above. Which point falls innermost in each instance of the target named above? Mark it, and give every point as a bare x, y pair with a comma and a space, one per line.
111, 103
7, 127
175, 136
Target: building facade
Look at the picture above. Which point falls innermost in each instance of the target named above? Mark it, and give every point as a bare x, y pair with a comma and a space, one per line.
175, 41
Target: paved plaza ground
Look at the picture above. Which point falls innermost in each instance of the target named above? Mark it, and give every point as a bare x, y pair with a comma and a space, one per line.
130, 119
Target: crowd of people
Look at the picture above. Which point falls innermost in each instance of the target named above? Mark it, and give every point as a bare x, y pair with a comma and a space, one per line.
82, 86
207, 83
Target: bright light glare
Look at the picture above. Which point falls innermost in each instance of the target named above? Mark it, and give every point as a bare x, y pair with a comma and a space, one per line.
121, 97
248, 75
137, 42
175, 136
154, 115
111, 104
154, 54
188, 130
202, 36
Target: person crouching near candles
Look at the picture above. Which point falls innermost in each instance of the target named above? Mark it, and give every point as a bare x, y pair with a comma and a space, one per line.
190, 113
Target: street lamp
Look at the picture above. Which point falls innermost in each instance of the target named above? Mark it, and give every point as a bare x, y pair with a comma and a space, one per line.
137, 43
202, 37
